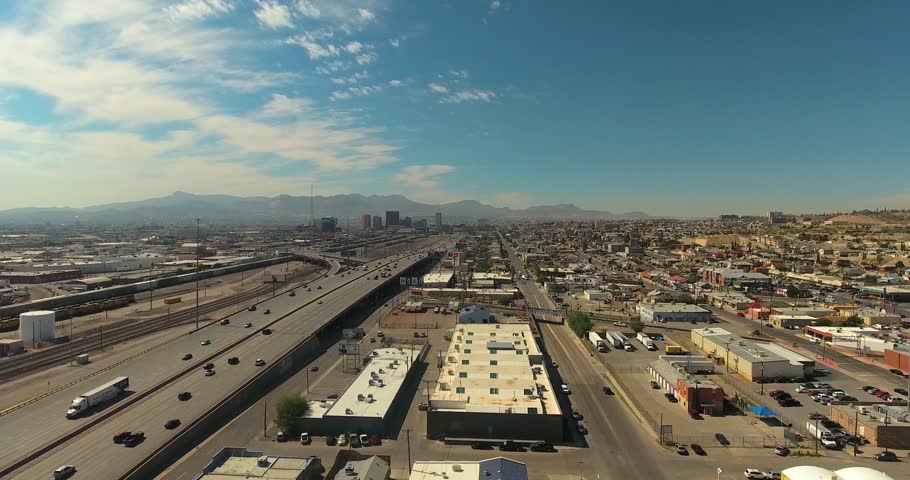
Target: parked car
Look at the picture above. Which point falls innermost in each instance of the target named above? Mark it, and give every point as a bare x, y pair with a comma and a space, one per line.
681, 450
577, 415
885, 456
342, 440
781, 451
355, 440
789, 402
902, 391
817, 416
172, 424
698, 450
281, 436
671, 398
305, 438
330, 440
654, 385
721, 439
481, 446
375, 439
755, 474
582, 429
364, 440
896, 372
510, 446
120, 437
565, 389
543, 447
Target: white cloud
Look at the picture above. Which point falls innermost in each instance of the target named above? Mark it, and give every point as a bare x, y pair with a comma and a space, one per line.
459, 74
313, 49
352, 79
354, 47
470, 96
274, 15
424, 177
307, 9
367, 58
395, 42
281, 106
438, 88
339, 95
495, 4
365, 90
190, 10
365, 16
395, 83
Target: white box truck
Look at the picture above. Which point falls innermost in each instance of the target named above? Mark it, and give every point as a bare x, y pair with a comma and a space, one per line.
598, 342
97, 396
646, 341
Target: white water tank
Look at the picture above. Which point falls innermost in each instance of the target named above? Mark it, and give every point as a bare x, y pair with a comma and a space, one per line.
36, 328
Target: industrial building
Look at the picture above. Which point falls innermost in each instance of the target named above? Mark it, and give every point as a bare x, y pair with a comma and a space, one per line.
86, 284
596, 295
39, 276
863, 339
499, 294
696, 395
242, 464
499, 468
474, 314
369, 468
809, 472
493, 384
898, 356
672, 312
750, 359
884, 425
442, 279
366, 404
793, 322
37, 328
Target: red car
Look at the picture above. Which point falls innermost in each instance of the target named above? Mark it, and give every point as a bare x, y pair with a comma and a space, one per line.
740, 314
882, 394
375, 440
120, 437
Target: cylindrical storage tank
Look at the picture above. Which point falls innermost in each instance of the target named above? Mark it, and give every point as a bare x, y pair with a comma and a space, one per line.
37, 327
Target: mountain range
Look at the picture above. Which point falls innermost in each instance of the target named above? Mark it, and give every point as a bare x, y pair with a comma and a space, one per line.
181, 207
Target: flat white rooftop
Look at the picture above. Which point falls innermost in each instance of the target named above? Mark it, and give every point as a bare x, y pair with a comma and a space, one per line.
247, 465
494, 368
499, 468
373, 390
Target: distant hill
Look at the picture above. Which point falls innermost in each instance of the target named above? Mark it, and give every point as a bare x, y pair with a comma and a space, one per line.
181, 207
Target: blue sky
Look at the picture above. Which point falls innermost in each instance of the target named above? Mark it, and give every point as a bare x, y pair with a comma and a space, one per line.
673, 108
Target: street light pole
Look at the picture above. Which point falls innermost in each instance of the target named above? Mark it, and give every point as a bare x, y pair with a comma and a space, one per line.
197, 273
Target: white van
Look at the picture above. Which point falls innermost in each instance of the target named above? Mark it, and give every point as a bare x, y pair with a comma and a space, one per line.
565, 389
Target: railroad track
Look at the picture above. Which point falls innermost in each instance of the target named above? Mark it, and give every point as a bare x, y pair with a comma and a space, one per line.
64, 353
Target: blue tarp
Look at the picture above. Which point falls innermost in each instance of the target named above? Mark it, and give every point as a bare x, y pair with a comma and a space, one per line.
764, 411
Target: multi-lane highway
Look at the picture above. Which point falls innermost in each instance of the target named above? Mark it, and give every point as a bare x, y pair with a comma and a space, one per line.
93, 452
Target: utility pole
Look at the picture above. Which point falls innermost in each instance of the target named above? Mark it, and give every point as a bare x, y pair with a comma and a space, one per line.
816, 436
855, 425
762, 378
197, 273
265, 410
409, 450
151, 286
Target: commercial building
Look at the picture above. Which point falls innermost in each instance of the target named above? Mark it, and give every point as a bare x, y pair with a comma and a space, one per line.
391, 218
377, 222
793, 322
874, 316
898, 356
438, 220
499, 468
328, 225
861, 338
242, 464
672, 312
364, 407
442, 279
694, 394
884, 425
809, 472
752, 360
474, 314
812, 311
365, 221
493, 384
369, 468
596, 295
732, 277
86, 284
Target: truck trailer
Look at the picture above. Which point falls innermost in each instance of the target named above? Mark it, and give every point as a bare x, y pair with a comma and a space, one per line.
598, 342
97, 396
615, 338
625, 344
646, 341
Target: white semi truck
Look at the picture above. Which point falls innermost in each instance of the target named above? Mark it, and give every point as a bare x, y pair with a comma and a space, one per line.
598, 342
646, 341
615, 338
97, 396
625, 343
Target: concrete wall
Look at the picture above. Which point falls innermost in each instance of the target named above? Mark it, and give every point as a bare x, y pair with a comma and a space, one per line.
442, 424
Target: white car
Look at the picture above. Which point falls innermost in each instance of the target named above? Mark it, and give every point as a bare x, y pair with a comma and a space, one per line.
205, 342
755, 474
65, 471
209, 373
260, 362
565, 389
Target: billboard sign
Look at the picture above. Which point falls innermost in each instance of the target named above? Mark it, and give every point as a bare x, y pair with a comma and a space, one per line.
456, 258
403, 281
349, 349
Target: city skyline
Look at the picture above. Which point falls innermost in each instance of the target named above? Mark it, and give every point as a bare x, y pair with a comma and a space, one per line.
674, 110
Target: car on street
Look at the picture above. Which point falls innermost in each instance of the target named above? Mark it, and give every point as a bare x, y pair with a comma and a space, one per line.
225, 321
608, 391
896, 372
205, 342
698, 449
510, 446
252, 308
172, 424
681, 450
187, 356
888, 456
554, 364
330, 440
292, 294
817, 416
755, 474
314, 368
184, 396
781, 451
481, 446
565, 389
267, 311
208, 366
65, 471
233, 361
209, 373
655, 385
671, 398
577, 415
721, 439
305, 438
266, 331
260, 362
543, 447
319, 287
582, 429
247, 325
134, 439
120, 437
319, 302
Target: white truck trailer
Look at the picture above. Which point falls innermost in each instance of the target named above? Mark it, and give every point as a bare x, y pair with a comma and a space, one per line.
646, 341
97, 396
615, 338
598, 342
626, 344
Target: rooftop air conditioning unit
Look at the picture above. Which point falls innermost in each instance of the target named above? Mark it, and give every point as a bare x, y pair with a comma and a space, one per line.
380, 384
360, 397
381, 371
457, 468
349, 468
348, 411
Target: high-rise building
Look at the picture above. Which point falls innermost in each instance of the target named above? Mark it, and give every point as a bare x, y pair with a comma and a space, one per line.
421, 225
377, 222
391, 218
328, 225
438, 220
365, 221
406, 222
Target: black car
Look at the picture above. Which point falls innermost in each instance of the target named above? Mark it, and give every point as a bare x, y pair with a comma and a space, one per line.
292, 294
233, 361
671, 398
698, 450
510, 446
184, 396
543, 447
172, 424
252, 308
330, 440
266, 331
481, 446
134, 439
208, 366
267, 311
187, 356
896, 372
885, 457
721, 439
789, 402
902, 391
608, 391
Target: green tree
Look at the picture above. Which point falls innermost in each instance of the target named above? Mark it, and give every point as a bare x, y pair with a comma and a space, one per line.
289, 410
685, 298
899, 265
870, 279
636, 326
580, 323
823, 322
853, 321
792, 291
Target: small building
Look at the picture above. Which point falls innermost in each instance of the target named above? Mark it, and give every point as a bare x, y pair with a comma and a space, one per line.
474, 314
700, 395
438, 279
672, 312
898, 356
729, 300
596, 295
86, 284
10, 346
242, 464
499, 468
874, 316
792, 322
817, 312
861, 338
884, 425
370, 468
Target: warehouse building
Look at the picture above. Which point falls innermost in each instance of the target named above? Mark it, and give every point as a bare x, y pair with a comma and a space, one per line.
885, 426
672, 312
499, 468
749, 359
242, 464
793, 322
863, 339
438, 279
898, 356
493, 384
86, 284
695, 395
